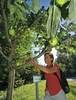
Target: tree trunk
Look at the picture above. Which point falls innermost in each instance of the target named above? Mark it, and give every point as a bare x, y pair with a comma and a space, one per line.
11, 58
11, 77
11, 80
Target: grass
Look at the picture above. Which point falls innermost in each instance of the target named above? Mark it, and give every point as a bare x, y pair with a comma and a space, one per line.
72, 94
27, 92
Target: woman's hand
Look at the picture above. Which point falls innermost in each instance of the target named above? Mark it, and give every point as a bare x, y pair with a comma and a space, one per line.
34, 62
36, 65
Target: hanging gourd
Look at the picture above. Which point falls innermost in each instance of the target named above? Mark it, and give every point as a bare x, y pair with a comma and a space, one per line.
63, 7
61, 2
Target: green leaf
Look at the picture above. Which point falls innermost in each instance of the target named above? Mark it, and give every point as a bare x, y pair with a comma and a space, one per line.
12, 9
12, 32
54, 41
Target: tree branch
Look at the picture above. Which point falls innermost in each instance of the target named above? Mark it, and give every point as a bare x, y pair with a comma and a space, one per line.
4, 54
5, 21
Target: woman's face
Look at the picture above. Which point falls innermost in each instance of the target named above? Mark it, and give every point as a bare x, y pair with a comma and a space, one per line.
48, 59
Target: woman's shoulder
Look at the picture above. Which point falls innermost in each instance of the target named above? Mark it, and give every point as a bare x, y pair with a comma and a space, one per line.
56, 64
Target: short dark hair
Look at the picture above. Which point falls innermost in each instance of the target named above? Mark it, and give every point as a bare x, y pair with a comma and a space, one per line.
50, 54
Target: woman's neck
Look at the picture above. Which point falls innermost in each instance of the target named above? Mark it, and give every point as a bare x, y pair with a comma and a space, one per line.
50, 65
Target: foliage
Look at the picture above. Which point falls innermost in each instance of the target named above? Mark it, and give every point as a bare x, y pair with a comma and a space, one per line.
68, 51
16, 33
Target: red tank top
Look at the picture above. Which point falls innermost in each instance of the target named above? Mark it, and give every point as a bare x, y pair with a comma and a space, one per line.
52, 83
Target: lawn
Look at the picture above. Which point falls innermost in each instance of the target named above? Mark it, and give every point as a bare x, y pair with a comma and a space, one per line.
27, 92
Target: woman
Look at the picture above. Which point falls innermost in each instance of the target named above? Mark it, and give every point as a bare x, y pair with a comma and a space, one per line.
53, 89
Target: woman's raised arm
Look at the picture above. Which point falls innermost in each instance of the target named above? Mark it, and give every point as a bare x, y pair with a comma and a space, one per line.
43, 68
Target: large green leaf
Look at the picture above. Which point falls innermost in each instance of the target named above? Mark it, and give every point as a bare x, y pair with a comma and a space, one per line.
53, 21
36, 5
72, 10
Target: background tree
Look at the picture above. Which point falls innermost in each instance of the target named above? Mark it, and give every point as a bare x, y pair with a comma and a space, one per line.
12, 17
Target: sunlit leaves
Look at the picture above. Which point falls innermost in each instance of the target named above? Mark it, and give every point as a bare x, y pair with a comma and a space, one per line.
71, 50
12, 9
25, 43
17, 11
12, 32
54, 41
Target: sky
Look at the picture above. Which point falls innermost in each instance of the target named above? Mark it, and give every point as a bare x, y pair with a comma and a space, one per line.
44, 3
